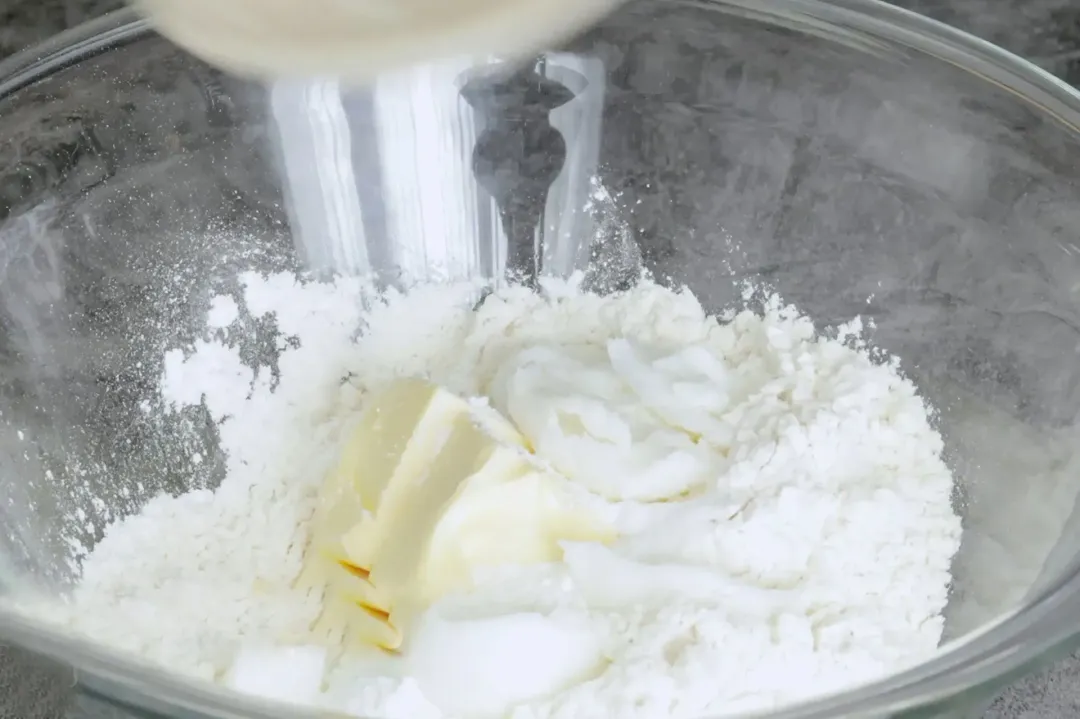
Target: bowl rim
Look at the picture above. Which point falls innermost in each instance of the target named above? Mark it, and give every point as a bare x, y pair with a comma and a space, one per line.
968, 670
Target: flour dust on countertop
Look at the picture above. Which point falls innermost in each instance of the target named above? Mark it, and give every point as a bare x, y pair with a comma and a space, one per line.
782, 511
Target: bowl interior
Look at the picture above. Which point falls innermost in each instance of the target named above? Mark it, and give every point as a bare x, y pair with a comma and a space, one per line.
854, 175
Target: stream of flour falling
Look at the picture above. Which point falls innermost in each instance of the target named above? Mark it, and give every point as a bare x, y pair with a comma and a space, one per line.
831, 507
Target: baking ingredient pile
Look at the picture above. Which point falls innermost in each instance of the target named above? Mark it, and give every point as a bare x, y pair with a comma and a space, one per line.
776, 512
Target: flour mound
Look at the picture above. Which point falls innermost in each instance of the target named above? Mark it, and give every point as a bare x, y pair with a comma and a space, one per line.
812, 555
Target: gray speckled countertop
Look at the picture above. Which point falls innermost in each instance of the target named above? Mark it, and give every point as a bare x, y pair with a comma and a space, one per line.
1046, 31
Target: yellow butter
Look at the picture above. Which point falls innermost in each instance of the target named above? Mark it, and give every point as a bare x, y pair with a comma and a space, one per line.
430, 488
400, 431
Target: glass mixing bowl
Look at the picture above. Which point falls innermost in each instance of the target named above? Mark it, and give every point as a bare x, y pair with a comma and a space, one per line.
859, 159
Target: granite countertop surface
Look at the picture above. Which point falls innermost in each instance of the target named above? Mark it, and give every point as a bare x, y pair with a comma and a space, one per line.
1045, 31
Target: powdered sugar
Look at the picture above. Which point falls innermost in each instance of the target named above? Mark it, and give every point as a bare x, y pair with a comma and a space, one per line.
223, 312
813, 554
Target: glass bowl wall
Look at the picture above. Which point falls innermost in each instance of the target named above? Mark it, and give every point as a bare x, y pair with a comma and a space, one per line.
858, 159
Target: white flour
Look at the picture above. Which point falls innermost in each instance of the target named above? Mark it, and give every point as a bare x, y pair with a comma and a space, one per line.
817, 557
223, 312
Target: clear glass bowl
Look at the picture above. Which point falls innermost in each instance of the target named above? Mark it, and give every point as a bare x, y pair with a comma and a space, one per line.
860, 159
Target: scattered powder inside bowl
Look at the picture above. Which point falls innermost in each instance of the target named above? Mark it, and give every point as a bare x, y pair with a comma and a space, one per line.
817, 558
223, 312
